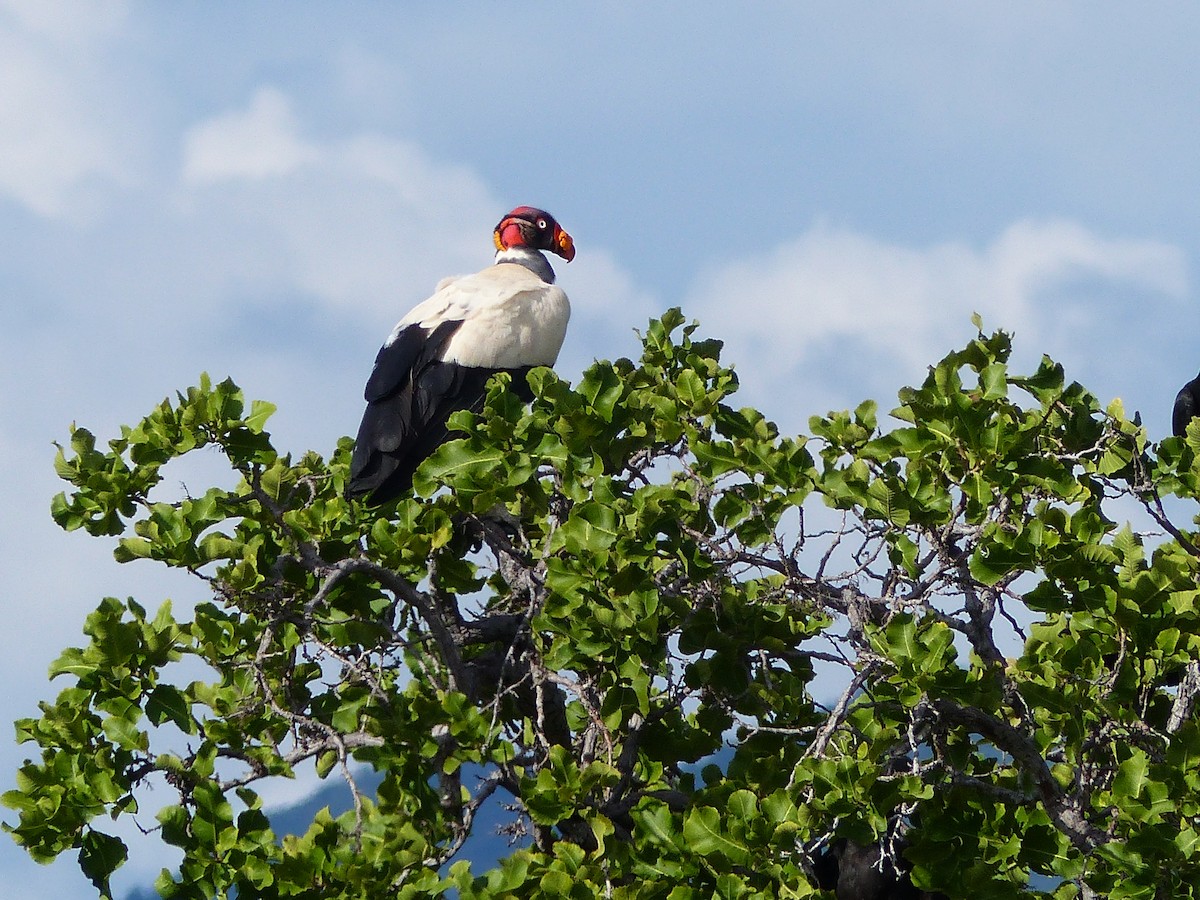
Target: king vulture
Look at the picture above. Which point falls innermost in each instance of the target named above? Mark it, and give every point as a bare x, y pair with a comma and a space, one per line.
508, 318
1187, 406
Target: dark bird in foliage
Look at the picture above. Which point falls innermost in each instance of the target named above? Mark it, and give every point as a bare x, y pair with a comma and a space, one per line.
855, 872
510, 318
1187, 407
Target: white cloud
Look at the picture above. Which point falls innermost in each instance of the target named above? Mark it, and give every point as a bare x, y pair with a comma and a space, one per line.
63, 120
362, 225
606, 306
832, 298
68, 21
260, 142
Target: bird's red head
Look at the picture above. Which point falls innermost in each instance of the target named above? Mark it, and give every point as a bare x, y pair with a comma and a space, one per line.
527, 226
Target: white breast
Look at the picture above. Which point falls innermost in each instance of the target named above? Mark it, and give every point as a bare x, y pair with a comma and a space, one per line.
511, 318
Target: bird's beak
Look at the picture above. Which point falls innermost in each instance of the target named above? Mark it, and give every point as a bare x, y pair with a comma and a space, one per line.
563, 245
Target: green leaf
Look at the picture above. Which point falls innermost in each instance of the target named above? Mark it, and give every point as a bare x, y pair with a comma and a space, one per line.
742, 805
260, 411
1132, 776
166, 702
453, 461
99, 856
593, 526
703, 833
74, 661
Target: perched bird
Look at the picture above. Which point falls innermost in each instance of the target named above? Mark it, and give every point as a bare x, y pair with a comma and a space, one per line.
510, 317
856, 872
1187, 406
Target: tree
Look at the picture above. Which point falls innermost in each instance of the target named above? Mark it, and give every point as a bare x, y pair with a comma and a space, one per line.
620, 609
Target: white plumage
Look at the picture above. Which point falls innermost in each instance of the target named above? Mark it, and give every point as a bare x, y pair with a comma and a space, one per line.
510, 317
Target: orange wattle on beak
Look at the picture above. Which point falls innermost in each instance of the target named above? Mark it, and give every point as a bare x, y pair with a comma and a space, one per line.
563, 245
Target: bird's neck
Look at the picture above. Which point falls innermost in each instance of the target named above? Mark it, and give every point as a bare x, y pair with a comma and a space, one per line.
530, 259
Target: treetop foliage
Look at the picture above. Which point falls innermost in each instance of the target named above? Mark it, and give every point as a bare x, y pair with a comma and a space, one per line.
694, 656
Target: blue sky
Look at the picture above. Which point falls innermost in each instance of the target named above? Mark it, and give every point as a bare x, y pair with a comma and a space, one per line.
261, 190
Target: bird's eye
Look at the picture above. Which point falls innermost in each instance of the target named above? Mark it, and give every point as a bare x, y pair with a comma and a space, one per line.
541, 223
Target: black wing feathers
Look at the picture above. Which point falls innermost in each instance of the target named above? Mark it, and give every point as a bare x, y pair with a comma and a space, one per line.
1187, 407
410, 395
413, 349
